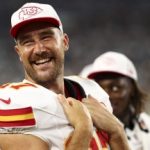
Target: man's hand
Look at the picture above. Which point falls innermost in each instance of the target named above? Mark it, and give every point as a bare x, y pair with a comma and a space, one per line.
102, 118
80, 118
106, 121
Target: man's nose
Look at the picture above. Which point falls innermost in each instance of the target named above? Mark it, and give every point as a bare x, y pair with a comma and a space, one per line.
39, 47
39, 44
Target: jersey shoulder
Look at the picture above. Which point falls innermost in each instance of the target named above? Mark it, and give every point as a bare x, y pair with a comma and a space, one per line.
17, 85
88, 85
25, 88
92, 88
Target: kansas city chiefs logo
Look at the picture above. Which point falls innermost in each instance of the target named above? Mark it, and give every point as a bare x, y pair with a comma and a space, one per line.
28, 12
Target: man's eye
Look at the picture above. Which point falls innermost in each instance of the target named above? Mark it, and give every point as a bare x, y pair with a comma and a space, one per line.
26, 43
115, 88
46, 36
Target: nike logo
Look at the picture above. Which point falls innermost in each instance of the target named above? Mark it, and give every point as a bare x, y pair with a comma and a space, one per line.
6, 101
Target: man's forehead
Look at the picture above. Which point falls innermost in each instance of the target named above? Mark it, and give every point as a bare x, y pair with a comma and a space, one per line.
33, 27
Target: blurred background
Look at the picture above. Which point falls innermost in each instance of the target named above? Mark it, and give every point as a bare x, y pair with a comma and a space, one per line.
94, 27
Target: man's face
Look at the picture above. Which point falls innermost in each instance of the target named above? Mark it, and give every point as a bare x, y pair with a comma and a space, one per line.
41, 50
120, 90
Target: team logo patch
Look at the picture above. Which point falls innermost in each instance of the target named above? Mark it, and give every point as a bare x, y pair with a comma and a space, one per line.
22, 117
28, 12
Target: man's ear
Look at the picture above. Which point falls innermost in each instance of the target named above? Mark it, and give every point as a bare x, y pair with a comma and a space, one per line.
66, 42
18, 52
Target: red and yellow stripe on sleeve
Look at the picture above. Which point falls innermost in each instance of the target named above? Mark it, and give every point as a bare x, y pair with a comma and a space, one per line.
22, 117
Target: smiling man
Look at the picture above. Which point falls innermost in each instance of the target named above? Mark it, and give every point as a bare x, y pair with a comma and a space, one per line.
45, 112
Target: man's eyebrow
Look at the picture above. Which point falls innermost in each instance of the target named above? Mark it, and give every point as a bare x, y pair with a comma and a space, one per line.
27, 35
46, 32
22, 37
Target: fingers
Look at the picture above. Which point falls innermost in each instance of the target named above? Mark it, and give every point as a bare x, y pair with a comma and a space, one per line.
64, 101
91, 100
61, 98
75, 111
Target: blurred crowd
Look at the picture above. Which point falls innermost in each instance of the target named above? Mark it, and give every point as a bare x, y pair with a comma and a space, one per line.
93, 27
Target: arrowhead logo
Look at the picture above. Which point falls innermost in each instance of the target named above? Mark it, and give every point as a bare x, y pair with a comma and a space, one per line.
6, 101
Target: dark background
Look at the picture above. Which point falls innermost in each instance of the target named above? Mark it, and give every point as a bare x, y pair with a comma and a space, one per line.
94, 27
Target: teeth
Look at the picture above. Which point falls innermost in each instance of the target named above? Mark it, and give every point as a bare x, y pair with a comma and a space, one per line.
42, 61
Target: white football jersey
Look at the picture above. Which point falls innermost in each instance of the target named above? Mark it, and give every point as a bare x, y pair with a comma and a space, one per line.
28, 108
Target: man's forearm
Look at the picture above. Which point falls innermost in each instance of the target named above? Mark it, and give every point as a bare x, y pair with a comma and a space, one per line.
106, 121
118, 141
80, 139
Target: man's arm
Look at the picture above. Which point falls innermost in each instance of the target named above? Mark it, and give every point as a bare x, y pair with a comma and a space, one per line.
104, 120
79, 117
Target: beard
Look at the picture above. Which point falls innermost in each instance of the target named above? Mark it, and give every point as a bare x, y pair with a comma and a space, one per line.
48, 76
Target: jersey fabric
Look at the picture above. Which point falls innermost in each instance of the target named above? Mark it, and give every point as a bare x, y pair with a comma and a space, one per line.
28, 108
139, 136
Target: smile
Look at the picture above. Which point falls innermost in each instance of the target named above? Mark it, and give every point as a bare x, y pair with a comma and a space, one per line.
42, 61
